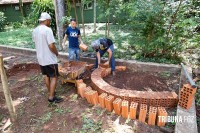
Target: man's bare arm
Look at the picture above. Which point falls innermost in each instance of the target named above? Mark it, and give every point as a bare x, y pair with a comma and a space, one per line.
53, 49
109, 54
99, 58
80, 40
64, 39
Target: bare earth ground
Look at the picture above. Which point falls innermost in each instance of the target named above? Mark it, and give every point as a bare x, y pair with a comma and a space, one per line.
73, 115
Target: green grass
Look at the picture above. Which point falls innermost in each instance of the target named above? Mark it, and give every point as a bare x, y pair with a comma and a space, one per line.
21, 37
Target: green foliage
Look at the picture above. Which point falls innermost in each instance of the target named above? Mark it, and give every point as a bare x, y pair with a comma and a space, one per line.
16, 25
38, 7
90, 125
197, 99
160, 30
46, 117
2, 21
65, 20
68, 3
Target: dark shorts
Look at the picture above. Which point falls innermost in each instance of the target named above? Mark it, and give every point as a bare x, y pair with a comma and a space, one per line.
50, 70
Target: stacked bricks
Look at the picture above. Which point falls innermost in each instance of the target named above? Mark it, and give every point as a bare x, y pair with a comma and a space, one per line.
156, 99
102, 100
117, 103
109, 102
152, 115
172, 100
143, 112
133, 110
125, 108
186, 96
162, 115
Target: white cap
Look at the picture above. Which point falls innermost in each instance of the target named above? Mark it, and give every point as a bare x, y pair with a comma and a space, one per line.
44, 16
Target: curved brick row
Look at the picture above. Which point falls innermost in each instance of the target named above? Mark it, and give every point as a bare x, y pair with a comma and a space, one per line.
112, 98
164, 98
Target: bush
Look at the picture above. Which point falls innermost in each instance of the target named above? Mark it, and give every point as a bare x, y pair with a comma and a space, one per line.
38, 7
2, 21
16, 25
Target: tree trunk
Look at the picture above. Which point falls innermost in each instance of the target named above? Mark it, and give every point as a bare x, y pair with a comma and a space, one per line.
74, 3
95, 17
173, 18
21, 8
107, 20
82, 17
108, 27
6, 90
59, 13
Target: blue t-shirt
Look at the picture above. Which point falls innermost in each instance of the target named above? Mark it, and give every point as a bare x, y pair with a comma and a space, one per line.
72, 35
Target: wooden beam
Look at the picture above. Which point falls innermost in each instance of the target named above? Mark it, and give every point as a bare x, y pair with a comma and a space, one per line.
6, 90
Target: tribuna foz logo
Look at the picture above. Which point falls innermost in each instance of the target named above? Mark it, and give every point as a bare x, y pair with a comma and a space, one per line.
176, 119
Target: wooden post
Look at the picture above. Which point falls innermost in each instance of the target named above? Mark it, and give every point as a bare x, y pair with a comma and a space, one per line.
6, 90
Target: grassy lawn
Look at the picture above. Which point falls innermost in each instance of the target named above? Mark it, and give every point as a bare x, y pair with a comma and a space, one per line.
21, 37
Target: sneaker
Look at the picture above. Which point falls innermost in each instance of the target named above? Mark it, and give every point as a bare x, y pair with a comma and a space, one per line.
55, 100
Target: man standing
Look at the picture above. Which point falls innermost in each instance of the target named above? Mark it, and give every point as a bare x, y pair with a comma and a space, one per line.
47, 54
101, 46
74, 36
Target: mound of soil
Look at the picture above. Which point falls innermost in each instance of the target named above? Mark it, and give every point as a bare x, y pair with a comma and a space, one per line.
141, 81
22, 67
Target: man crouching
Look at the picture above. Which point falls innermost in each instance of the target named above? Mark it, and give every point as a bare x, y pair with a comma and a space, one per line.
101, 46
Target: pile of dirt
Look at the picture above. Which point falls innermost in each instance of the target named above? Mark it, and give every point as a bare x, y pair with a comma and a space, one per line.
141, 81
22, 67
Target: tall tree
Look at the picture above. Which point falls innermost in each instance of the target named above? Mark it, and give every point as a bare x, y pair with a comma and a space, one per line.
21, 8
59, 13
95, 17
75, 11
108, 18
82, 16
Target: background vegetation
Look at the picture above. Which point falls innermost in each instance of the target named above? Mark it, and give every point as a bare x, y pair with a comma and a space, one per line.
157, 30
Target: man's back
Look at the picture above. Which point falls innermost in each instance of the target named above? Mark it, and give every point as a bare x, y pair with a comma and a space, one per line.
43, 37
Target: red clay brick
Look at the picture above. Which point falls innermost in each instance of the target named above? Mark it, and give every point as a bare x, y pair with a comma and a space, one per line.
86, 90
88, 96
188, 88
152, 115
133, 110
120, 68
79, 81
102, 99
161, 112
94, 97
81, 88
125, 108
143, 112
186, 96
109, 102
117, 103
90, 66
